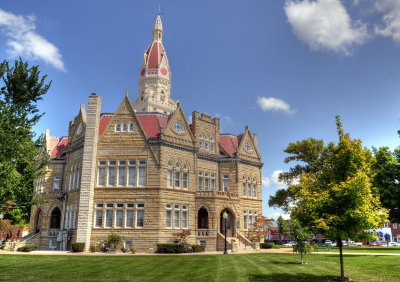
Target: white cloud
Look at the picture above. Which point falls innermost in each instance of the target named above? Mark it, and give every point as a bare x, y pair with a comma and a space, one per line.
275, 215
273, 180
390, 19
24, 41
325, 25
274, 105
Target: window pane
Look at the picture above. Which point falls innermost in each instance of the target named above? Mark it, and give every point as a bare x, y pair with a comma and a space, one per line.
109, 218
200, 183
249, 190
206, 184
245, 222
168, 222
226, 184
140, 218
121, 176
255, 191
100, 176
244, 189
129, 218
99, 218
132, 172
184, 219
56, 183
177, 179
184, 180
170, 179
176, 219
213, 184
111, 176
142, 176
120, 218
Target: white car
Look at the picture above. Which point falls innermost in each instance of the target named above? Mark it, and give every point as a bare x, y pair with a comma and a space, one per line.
358, 244
394, 244
330, 244
289, 244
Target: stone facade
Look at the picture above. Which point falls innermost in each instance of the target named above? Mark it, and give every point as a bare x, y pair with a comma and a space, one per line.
147, 176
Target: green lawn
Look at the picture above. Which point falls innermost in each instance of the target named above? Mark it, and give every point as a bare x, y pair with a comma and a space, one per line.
245, 267
390, 250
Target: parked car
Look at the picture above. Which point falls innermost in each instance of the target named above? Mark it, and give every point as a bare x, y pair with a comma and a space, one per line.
378, 243
289, 244
330, 244
358, 244
394, 244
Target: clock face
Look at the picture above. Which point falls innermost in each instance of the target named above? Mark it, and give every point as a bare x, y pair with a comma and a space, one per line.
79, 130
142, 72
163, 71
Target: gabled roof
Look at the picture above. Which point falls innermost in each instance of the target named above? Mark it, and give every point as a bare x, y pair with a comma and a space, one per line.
61, 145
152, 123
230, 142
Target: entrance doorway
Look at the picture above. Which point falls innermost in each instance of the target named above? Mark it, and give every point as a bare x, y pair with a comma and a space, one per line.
202, 219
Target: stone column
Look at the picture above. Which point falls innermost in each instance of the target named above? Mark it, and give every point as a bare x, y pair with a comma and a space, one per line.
89, 165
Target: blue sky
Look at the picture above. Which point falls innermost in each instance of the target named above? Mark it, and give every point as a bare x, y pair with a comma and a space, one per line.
285, 68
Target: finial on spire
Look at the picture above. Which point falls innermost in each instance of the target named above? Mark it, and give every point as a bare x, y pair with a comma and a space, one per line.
126, 93
158, 30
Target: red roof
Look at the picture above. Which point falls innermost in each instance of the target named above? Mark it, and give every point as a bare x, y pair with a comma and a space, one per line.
230, 143
103, 124
154, 55
151, 124
60, 146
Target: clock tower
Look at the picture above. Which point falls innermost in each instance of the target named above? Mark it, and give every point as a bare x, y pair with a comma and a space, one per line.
155, 77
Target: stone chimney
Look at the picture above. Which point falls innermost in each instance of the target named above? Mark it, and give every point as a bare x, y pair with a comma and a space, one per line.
89, 164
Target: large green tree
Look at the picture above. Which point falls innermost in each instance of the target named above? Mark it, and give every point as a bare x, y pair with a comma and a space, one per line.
330, 189
386, 179
21, 87
283, 227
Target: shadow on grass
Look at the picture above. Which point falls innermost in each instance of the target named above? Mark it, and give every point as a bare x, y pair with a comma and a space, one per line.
287, 277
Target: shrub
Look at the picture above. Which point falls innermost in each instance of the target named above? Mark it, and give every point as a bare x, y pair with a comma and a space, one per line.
170, 248
266, 245
198, 248
114, 240
124, 250
276, 247
92, 249
78, 247
132, 250
27, 248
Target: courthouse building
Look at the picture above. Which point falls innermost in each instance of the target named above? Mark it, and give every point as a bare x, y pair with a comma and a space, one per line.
145, 173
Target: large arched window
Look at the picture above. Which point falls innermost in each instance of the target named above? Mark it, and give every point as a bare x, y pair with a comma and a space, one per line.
55, 219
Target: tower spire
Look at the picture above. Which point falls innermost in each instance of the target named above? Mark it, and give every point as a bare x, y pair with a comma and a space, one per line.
158, 30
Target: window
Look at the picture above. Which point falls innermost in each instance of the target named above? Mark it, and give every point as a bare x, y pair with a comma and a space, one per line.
177, 216
206, 181
122, 173
249, 190
131, 126
203, 243
119, 215
248, 146
250, 187
56, 183
128, 244
394, 225
254, 190
117, 127
177, 177
206, 143
124, 126
244, 189
249, 219
225, 182
178, 127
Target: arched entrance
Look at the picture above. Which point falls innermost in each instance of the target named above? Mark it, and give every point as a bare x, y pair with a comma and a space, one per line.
202, 219
38, 221
230, 223
55, 220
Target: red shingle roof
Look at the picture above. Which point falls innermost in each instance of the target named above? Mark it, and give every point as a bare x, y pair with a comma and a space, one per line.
154, 55
62, 143
104, 123
230, 143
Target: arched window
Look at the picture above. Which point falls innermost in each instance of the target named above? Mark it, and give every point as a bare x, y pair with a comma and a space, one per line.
131, 126
202, 219
117, 127
55, 219
124, 126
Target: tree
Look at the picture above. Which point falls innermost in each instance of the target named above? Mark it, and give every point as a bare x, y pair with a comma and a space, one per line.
259, 229
114, 240
386, 179
330, 189
21, 88
182, 235
283, 228
9, 229
300, 236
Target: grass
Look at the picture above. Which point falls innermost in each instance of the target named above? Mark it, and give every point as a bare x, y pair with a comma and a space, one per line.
243, 267
386, 250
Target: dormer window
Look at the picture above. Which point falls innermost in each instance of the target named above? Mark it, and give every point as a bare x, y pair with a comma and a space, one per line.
118, 127
131, 126
124, 126
248, 146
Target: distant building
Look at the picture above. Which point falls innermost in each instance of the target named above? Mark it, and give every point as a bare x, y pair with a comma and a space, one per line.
145, 173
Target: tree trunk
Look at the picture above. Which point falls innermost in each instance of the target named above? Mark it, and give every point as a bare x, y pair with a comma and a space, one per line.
341, 257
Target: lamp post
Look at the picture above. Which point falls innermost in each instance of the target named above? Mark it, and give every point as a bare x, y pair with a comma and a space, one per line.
225, 216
